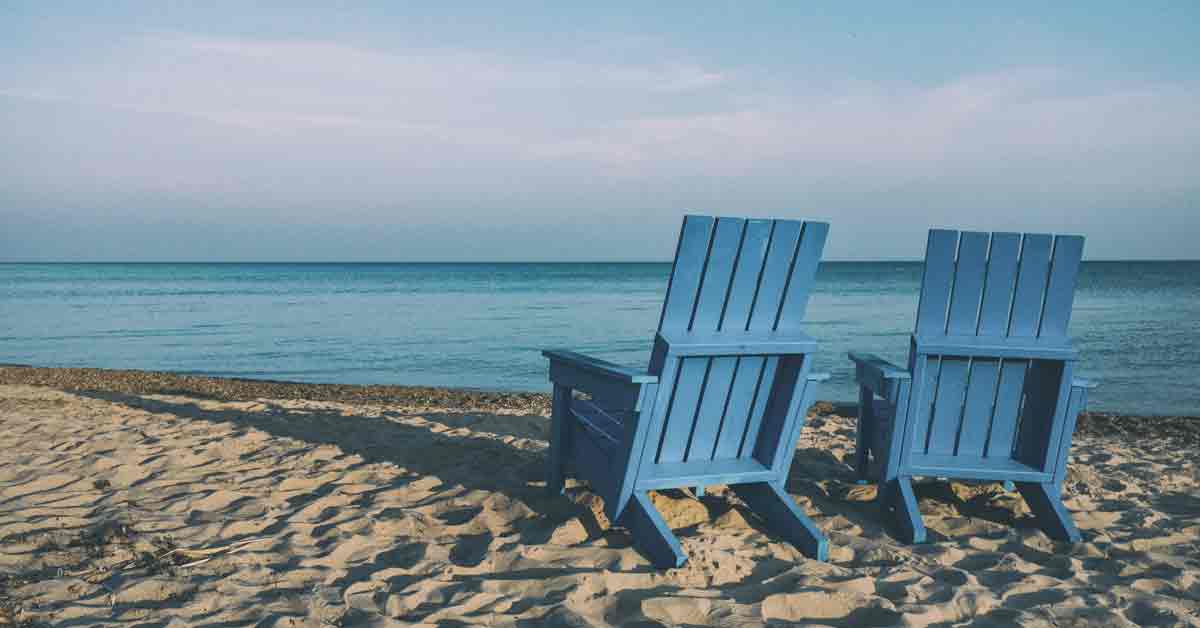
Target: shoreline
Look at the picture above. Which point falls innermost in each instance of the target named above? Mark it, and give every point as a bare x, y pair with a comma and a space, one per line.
1182, 428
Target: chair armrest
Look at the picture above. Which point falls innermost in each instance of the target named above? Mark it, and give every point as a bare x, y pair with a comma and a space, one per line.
1083, 382
594, 367
879, 375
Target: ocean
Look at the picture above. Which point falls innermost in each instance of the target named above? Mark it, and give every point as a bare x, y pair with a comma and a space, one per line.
473, 325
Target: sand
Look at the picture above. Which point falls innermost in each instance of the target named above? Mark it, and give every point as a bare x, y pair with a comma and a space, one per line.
162, 504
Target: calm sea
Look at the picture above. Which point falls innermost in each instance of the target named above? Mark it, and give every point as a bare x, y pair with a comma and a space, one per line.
482, 325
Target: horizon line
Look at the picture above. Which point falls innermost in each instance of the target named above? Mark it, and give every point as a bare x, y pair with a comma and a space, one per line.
385, 262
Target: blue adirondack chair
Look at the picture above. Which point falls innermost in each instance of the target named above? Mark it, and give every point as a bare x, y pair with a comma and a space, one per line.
989, 392
724, 397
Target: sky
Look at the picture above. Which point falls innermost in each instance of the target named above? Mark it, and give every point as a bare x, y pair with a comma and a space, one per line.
162, 131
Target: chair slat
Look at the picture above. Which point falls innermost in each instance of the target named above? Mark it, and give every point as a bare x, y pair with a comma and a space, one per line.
1031, 286
762, 397
1008, 406
968, 283
755, 241
737, 411
685, 275
935, 284
804, 272
947, 409
714, 289
998, 286
780, 255
1060, 291
712, 409
925, 408
977, 412
681, 412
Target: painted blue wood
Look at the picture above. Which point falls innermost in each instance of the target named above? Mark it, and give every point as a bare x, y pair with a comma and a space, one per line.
936, 281
990, 392
726, 391
947, 406
996, 347
681, 419
560, 410
1060, 292
977, 411
744, 286
781, 256
783, 517
1046, 504
762, 399
652, 534
718, 274
1001, 276
739, 403
599, 367
803, 272
1031, 284
738, 343
908, 514
969, 272
712, 409
1009, 396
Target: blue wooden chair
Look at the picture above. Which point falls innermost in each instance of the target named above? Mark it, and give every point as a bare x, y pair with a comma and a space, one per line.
989, 392
725, 394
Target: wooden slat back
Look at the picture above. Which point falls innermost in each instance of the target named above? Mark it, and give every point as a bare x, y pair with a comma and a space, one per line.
984, 285
998, 284
737, 275
1060, 291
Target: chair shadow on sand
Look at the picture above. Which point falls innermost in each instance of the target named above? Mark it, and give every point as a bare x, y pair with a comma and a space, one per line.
492, 462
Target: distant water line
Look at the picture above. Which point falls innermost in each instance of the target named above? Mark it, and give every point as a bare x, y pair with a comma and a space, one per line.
472, 325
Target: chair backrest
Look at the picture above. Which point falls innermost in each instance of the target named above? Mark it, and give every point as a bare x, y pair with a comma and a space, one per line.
990, 344
730, 276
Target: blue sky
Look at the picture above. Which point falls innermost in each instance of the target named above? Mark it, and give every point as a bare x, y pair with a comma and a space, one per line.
509, 131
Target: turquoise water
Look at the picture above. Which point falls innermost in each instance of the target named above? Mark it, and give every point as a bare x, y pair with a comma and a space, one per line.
482, 325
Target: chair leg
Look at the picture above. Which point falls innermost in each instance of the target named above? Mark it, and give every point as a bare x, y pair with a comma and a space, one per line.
560, 410
1046, 503
862, 434
900, 496
783, 517
651, 534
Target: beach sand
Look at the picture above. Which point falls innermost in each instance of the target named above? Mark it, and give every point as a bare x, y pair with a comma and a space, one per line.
149, 499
